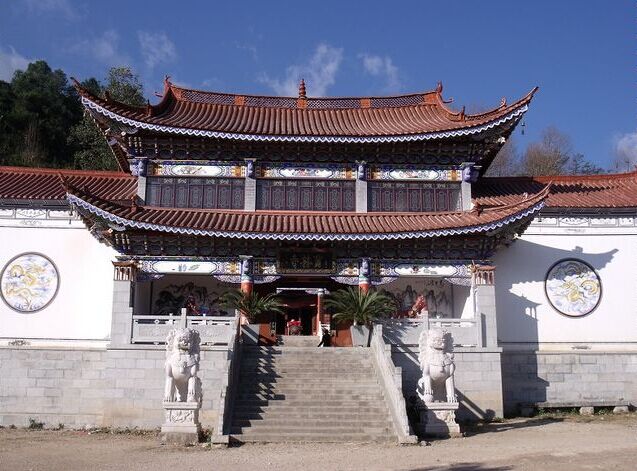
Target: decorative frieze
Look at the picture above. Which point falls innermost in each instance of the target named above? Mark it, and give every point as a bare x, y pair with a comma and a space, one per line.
207, 267
324, 172
197, 168
45, 218
583, 221
388, 268
386, 172
229, 269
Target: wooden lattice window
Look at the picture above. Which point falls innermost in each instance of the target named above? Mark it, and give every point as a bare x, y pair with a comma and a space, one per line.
207, 193
412, 197
306, 195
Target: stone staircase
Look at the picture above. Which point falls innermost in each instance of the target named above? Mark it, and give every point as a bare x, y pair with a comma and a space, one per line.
309, 394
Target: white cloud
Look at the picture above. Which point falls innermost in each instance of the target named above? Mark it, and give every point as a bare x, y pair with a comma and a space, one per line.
104, 49
319, 73
249, 48
10, 61
384, 68
156, 48
63, 7
626, 149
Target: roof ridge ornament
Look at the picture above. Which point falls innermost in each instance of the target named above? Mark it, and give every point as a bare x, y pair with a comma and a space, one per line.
301, 101
439, 87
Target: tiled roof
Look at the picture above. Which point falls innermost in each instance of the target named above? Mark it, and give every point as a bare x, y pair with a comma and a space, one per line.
579, 191
23, 183
197, 111
308, 226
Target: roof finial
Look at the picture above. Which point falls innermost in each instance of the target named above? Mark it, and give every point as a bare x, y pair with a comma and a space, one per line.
503, 102
439, 87
302, 93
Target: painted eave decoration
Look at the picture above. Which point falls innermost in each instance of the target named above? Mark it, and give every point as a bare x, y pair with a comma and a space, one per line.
270, 225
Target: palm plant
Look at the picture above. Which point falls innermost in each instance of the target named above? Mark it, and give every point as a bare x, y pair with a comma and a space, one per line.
358, 306
251, 304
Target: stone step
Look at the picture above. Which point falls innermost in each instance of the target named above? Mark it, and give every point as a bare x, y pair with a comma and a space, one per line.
279, 350
311, 366
306, 374
273, 407
298, 340
255, 376
309, 386
303, 393
315, 414
309, 438
317, 422
300, 399
314, 385
309, 429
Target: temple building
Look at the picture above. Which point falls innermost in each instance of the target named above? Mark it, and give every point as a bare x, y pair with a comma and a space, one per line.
302, 196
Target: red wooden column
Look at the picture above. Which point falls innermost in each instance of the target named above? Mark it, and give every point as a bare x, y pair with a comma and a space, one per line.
247, 280
364, 275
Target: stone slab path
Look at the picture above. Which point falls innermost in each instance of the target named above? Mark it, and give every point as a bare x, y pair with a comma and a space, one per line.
565, 443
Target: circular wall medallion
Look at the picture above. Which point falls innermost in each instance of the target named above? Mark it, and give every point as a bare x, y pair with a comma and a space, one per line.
573, 288
29, 282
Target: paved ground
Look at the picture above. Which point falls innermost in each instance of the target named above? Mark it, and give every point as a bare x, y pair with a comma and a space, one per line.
561, 442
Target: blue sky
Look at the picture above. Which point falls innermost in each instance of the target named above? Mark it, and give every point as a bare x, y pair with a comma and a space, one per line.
580, 53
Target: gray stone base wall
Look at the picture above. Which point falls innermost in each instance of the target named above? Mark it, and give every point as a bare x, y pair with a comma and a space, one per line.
567, 377
478, 380
96, 388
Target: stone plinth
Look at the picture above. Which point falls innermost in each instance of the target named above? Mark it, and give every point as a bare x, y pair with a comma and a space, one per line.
182, 423
438, 419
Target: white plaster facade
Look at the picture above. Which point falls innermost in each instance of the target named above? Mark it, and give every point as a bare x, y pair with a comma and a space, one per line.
82, 308
526, 319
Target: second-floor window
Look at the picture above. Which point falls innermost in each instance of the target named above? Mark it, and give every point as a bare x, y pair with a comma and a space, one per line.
412, 197
206, 193
306, 195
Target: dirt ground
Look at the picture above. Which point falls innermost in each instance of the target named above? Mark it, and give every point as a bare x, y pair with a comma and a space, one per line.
547, 443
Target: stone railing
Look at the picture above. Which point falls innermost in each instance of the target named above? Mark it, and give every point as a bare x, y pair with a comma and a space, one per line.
465, 332
391, 382
228, 386
154, 329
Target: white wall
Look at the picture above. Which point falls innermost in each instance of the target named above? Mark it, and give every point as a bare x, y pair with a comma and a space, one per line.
524, 312
82, 307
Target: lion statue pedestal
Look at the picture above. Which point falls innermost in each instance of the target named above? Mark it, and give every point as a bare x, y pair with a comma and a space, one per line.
436, 387
182, 392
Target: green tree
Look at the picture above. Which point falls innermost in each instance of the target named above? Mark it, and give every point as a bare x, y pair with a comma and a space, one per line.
123, 85
91, 149
43, 109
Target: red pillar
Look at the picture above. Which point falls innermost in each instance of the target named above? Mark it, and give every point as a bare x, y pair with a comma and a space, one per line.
247, 280
247, 286
363, 275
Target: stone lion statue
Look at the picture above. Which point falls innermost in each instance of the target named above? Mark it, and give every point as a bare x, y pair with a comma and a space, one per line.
182, 365
436, 362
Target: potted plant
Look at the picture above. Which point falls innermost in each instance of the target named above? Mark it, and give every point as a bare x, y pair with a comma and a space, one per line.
361, 308
250, 306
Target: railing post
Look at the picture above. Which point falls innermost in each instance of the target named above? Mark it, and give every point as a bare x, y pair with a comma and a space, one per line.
484, 282
124, 273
